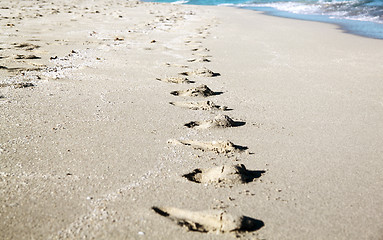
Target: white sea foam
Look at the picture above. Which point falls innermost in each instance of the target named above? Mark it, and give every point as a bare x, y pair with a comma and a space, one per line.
292, 7
335, 9
228, 4
180, 2
361, 18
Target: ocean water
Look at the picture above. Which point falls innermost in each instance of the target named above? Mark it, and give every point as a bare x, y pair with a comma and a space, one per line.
361, 17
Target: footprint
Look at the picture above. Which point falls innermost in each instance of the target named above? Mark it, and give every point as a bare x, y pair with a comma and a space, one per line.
200, 50
175, 80
229, 174
26, 46
202, 55
199, 105
199, 60
27, 57
218, 147
203, 72
17, 85
176, 65
210, 221
220, 121
21, 69
200, 91
12, 69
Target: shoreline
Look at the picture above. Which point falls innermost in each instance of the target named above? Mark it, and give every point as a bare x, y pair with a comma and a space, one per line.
342, 27
348, 25
102, 145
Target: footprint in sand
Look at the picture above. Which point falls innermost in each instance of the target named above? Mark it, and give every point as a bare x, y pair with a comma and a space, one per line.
202, 55
17, 85
27, 57
203, 59
200, 50
203, 72
220, 121
26, 46
199, 105
219, 147
227, 174
176, 65
210, 221
12, 69
200, 91
177, 80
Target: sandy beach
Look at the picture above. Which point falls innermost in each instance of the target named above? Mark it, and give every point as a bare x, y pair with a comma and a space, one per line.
132, 120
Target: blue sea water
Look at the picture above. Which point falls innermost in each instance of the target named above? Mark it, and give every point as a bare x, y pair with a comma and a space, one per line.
361, 17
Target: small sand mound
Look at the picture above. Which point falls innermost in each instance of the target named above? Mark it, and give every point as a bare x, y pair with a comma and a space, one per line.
200, 91
223, 121
217, 221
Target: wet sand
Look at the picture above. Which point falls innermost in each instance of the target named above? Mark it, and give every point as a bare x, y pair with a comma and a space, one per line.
129, 120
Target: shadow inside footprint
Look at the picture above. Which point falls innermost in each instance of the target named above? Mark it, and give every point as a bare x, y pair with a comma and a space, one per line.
238, 123
192, 176
250, 175
191, 124
240, 148
159, 211
249, 224
217, 93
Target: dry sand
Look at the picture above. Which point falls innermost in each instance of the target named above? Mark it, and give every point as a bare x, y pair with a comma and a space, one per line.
85, 124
